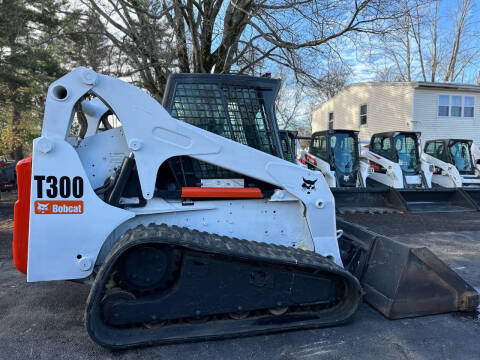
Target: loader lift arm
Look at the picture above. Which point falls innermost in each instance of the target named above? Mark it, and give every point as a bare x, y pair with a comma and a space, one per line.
160, 137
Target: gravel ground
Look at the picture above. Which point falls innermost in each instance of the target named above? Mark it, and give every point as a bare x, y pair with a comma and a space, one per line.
45, 320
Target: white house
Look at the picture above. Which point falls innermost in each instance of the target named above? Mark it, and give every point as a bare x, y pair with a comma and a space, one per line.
437, 110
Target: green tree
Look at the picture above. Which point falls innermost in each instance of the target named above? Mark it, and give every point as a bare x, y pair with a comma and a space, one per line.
28, 63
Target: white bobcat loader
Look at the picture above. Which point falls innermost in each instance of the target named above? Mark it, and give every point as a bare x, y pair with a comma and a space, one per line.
397, 163
455, 165
337, 155
453, 161
151, 215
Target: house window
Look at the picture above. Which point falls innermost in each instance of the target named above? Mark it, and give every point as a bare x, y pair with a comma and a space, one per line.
456, 106
443, 103
452, 106
330, 120
468, 105
363, 114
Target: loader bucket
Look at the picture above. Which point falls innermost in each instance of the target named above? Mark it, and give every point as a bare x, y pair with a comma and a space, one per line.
437, 200
474, 194
377, 200
400, 280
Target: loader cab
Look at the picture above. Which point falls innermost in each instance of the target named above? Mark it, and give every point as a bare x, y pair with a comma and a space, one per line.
339, 148
238, 107
399, 147
453, 151
287, 141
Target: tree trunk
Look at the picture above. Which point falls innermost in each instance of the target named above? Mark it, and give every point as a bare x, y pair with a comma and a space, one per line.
450, 75
434, 42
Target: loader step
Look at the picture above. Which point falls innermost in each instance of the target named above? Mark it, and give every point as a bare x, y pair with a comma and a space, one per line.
163, 284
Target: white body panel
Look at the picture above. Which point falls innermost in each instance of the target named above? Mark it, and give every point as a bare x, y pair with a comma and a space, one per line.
65, 246
394, 176
55, 241
262, 220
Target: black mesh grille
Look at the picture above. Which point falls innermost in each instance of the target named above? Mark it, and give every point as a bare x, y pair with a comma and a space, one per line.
201, 105
237, 113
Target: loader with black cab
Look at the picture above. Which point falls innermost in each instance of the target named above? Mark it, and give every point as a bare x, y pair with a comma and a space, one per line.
337, 155
455, 165
186, 233
397, 162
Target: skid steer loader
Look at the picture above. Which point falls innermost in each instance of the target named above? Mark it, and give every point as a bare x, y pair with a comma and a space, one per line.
184, 234
336, 154
454, 165
396, 162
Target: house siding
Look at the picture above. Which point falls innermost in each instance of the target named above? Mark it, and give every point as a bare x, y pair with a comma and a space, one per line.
389, 108
432, 126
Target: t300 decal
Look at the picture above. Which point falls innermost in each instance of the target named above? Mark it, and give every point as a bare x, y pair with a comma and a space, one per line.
63, 187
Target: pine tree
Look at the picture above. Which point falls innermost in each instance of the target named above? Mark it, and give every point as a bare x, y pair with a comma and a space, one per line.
28, 63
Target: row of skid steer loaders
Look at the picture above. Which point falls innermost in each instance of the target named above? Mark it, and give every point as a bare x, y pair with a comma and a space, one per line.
193, 226
390, 175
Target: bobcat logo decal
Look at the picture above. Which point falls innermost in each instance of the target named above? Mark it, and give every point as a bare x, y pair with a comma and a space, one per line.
42, 207
308, 185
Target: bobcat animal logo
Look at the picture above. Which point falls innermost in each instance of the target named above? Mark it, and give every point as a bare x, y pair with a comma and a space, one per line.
308, 185
42, 207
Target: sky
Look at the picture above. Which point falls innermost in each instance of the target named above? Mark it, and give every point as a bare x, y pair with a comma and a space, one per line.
362, 69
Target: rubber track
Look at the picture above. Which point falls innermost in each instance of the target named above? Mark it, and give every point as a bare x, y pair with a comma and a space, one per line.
119, 338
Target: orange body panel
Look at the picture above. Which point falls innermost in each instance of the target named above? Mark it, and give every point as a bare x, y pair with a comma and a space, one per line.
21, 216
221, 192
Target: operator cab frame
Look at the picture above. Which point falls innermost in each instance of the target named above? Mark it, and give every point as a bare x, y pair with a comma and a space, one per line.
401, 147
287, 141
447, 150
339, 148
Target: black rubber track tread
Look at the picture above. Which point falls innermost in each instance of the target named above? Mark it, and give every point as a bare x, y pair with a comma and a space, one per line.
195, 240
